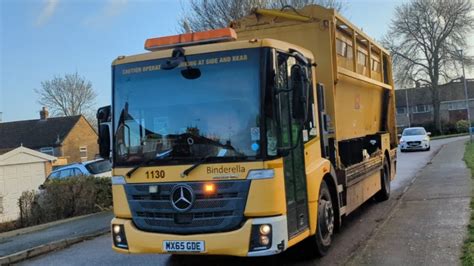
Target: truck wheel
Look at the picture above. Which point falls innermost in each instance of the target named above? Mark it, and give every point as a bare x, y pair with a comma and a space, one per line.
384, 192
318, 244
325, 227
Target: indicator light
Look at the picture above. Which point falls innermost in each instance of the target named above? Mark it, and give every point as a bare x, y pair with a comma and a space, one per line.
209, 188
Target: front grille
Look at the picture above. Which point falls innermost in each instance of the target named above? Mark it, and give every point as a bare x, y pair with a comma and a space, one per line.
220, 212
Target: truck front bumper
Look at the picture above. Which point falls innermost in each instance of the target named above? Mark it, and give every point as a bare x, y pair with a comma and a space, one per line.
233, 243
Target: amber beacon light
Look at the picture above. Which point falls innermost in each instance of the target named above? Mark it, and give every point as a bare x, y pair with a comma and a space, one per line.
193, 38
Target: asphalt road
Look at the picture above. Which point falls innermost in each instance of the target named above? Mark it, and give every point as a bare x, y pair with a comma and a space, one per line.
357, 229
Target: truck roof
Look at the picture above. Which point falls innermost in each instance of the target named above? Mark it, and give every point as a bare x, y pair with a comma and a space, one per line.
215, 47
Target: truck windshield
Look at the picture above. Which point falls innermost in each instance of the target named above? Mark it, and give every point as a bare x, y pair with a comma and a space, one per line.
161, 115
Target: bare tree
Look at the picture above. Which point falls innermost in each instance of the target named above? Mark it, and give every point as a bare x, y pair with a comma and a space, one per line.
67, 96
425, 39
213, 14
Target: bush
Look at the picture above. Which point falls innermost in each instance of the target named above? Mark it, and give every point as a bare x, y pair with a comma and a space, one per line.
449, 128
462, 126
62, 199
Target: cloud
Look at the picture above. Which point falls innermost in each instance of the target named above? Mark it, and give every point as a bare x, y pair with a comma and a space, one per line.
47, 12
112, 8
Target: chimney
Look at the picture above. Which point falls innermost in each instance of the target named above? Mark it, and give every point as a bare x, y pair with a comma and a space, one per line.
44, 113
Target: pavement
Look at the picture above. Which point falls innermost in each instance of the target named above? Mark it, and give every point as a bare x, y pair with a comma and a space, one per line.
424, 222
24, 243
429, 224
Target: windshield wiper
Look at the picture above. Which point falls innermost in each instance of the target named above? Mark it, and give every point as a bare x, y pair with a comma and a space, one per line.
147, 162
203, 160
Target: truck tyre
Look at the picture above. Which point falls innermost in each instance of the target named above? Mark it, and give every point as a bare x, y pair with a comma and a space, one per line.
325, 226
384, 192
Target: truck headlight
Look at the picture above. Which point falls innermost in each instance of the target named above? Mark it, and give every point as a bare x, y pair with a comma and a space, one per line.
118, 236
261, 237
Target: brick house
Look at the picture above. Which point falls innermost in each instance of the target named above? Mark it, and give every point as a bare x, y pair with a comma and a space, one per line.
70, 139
420, 109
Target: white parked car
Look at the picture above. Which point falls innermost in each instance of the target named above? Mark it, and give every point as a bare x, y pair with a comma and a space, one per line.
96, 168
415, 138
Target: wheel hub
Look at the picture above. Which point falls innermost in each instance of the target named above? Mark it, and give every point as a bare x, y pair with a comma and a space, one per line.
327, 217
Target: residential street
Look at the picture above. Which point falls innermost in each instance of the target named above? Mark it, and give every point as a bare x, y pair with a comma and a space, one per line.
399, 231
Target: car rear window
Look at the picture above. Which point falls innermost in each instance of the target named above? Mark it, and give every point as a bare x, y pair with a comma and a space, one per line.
99, 167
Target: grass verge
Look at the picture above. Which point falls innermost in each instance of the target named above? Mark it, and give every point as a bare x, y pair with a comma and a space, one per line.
449, 136
468, 249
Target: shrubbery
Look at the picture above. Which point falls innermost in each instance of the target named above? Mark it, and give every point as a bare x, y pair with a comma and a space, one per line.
462, 126
62, 199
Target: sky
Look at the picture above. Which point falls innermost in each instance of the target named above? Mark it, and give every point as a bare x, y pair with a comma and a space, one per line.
42, 39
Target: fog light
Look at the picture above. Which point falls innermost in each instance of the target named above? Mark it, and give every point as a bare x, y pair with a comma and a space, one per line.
265, 229
118, 236
116, 229
264, 240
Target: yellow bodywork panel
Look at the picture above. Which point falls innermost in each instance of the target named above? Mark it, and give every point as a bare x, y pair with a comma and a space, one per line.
266, 197
339, 48
362, 191
204, 172
358, 109
233, 243
121, 207
316, 169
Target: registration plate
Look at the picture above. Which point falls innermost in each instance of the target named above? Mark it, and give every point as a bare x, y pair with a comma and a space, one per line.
184, 246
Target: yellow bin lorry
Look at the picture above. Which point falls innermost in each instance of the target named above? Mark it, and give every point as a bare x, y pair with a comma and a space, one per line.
248, 140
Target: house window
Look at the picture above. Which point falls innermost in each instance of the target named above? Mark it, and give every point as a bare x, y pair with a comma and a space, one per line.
422, 108
401, 110
459, 105
83, 153
47, 150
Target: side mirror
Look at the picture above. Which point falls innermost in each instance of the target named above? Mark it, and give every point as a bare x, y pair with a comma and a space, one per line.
428, 133
300, 93
104, 125
104, 141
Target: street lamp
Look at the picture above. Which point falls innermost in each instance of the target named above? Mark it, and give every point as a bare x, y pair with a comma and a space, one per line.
466, 95
408, 108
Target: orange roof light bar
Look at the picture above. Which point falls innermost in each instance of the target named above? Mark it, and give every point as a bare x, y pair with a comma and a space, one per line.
193, 38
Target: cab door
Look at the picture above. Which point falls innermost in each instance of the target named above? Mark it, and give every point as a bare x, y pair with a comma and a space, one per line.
290, 137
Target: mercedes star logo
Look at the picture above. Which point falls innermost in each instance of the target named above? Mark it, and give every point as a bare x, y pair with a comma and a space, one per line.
182, 197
